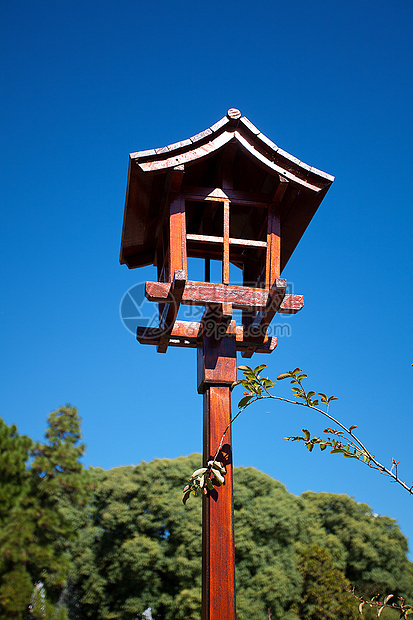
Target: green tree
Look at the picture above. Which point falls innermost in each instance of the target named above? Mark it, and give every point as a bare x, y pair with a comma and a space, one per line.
35, 515
325, 594
15, 579
140, 547
370, 549
60, 488
14, 477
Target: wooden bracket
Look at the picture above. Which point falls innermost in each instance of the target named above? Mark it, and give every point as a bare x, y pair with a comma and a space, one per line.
170, 310
189, 335
258, 328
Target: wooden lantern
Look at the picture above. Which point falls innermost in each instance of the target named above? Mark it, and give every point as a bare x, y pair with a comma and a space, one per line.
228, 194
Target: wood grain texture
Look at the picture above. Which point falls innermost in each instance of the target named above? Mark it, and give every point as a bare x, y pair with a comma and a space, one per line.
177, 240
217, 366
225, 259
170, 310
273, 247
232, 240
188, 334
218, 563
241, 297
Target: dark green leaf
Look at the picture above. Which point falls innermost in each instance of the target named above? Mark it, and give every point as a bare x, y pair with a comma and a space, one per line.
244, 401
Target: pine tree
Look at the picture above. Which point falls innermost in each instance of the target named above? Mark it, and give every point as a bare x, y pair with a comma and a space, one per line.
15, 580
38, 508
61, 488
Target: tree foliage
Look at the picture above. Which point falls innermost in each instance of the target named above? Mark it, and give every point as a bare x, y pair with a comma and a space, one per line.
109, 544
35, 528
140, 547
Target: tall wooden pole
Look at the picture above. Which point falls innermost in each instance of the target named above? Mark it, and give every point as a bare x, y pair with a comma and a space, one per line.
216, 373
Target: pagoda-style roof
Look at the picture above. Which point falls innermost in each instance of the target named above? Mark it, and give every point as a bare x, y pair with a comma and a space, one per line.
233, 155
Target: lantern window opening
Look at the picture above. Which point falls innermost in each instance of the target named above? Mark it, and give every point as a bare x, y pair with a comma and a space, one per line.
219, 230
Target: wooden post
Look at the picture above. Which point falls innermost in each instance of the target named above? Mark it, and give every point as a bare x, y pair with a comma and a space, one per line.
216, 372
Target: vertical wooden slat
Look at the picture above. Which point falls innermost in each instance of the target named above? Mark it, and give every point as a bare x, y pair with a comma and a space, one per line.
273, 261
225, 258
183, 236
273, 246
177, 236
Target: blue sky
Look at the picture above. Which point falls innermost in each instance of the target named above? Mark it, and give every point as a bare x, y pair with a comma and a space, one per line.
84, 84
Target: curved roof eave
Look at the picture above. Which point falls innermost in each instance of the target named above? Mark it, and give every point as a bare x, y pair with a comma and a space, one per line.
205, 143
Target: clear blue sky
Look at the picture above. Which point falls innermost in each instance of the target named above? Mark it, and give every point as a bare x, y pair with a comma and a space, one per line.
84, 84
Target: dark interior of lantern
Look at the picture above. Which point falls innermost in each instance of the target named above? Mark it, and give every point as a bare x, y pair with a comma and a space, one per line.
204, 218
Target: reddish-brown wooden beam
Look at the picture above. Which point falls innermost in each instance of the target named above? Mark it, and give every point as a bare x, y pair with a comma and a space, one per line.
205, 238
170, 310
171, 189
235, 196
292, 304
205, 150
273, 269
205, 293
177, 239
251, 243
225, 257
188, 334
217, 361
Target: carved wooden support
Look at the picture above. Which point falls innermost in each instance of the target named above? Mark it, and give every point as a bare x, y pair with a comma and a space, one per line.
259, 325
170, 310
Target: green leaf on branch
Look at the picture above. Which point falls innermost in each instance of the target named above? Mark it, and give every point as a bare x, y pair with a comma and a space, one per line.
244, 401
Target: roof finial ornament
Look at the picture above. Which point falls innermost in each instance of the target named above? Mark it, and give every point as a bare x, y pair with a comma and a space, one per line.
234, 114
